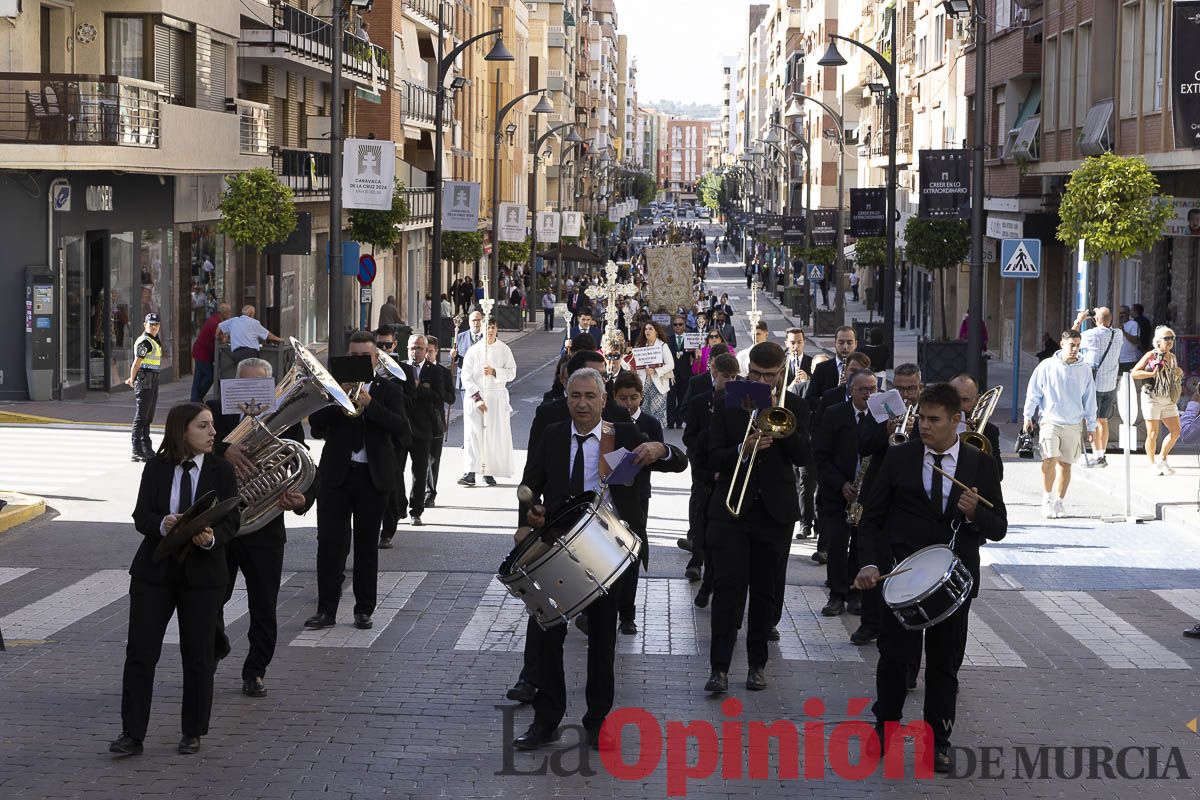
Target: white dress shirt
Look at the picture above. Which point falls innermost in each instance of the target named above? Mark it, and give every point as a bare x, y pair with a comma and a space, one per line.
949, 464
176, 480
591, 455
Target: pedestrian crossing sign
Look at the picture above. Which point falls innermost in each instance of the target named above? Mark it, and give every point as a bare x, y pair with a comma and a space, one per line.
816, 272
1020, 258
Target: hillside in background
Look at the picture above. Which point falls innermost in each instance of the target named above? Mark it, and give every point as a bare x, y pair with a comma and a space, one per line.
687, 110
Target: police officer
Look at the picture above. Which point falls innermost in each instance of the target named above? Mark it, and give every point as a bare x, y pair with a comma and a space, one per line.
143, 377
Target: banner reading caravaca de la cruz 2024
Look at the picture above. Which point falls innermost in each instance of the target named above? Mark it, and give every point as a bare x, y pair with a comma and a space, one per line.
945, 184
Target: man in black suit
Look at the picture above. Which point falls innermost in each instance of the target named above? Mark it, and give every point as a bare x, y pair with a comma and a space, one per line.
838, 463
750, 547
683, 371
968, 393
795, 378
357, 465
826, 376
397, 500
703, 383
432, 355
259, 555
855, 362
584, 323
426, 397
562, 464
910, 506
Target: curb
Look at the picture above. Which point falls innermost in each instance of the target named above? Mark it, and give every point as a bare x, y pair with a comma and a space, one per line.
21, 508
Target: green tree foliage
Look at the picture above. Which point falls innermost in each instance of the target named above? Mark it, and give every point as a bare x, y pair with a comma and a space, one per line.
379, 228
462, 246
870, 252
937, 245
644, 188
826, 256
514, 252
257, 210
712, 186
1112, 203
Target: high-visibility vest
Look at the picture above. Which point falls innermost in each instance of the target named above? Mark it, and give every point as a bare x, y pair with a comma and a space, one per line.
152, 359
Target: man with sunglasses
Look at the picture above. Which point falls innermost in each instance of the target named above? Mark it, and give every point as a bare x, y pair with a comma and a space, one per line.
683, 371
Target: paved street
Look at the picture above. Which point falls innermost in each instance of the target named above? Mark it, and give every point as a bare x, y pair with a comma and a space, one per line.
1075, 642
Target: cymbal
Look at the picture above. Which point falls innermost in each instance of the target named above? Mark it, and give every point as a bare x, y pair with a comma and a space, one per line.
204, 513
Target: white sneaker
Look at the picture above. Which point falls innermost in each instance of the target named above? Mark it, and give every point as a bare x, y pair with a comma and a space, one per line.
1166, 468
1048, 508
1158, 468
1058, 508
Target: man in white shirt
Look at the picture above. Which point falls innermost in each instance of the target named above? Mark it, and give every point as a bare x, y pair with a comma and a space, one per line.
761, 334
1131, 343
245, 334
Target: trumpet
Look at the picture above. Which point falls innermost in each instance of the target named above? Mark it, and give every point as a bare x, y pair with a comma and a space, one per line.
904, 430
978, 420
777, 422
353, 391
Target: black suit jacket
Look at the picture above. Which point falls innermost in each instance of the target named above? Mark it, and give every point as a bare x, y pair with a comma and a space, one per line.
201, 568
830, 398
383, 418
683, 363
899, 519
824, 377
836, 446
697, 421
698, 385
557, 411
789, 374
993, 435
649, 426
426, 399
575, 330
772, 482
548, 475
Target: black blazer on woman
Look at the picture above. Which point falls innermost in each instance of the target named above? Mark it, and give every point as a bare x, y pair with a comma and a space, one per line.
202, 568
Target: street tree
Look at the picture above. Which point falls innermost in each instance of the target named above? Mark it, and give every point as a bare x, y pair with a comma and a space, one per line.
937, 245
380, 228
256, 209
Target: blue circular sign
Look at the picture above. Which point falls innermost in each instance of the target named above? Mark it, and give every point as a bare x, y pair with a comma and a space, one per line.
366, 270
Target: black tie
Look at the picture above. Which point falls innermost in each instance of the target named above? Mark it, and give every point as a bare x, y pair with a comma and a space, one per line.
185, 486
859, 417
577, 468
935, 483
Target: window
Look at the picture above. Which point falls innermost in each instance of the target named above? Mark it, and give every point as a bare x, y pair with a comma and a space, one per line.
1050, 85
939, 37
1152, 59
1083, 58
1003, 14
921, 54
1066, 49
126, 47
1129, 59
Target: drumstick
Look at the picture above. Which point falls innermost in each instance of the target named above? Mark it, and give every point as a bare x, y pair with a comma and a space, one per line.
900, 571
960, 485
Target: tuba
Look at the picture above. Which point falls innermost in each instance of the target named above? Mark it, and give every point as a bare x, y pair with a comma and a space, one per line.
777, 422
978, 419
281, 464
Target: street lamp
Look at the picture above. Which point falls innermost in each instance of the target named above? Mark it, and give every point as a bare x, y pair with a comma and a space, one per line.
571, 137
833, 58
975, 362
445, 61
543, 107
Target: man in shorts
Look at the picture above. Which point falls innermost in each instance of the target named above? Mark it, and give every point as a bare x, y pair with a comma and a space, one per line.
1100, 347
1062, 393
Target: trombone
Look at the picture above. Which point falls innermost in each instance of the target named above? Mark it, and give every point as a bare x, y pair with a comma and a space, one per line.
777, 422
978, 420
904, 430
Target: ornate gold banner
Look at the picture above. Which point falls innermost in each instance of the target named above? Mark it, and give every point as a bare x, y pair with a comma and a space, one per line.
669, 278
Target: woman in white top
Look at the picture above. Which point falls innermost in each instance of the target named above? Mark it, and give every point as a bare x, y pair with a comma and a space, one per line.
1160, 393
656, 379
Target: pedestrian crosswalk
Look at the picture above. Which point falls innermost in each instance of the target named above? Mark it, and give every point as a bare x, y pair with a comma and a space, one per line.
48, 461
39, 607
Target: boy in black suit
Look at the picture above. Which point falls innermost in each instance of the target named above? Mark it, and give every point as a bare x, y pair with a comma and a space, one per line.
426, 396
910, 506
432, 356
357, 465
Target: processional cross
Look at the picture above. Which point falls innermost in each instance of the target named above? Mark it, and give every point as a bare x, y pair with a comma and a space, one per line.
611, 291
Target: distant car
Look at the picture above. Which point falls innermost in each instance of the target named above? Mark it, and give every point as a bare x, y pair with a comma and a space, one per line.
704, 213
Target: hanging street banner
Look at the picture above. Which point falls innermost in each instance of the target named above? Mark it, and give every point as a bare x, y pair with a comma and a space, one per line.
868, 212
1185, 73
460, 206
512, 222
793, 230
945, 184
824, 227
572, 222
669, 278
547, 227
369, 174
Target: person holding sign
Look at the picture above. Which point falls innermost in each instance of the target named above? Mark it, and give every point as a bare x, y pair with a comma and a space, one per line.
655, 366
486, 372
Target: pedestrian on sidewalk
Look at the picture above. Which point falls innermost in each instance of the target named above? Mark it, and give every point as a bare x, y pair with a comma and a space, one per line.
1062, 393
548, 301
245, 334
143, 379
1131, 343
1160, 393
204, 353
1101, 348
854, 285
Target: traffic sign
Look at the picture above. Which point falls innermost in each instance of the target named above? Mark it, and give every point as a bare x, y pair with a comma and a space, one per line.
366, 270
816, 272
1020, 258
365, 295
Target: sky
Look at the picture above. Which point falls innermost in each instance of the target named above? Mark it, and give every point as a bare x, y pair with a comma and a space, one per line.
681, 45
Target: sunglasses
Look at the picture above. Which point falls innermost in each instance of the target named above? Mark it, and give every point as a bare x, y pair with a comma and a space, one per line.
1168, 338
677, 324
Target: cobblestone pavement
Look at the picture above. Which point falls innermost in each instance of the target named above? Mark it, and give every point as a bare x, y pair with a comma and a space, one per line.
1075, 643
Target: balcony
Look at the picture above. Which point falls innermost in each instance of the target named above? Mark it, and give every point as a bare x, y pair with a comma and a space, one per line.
426, 11
305, 44
67, 109
254, 127
305, 172
419, 104
420, 208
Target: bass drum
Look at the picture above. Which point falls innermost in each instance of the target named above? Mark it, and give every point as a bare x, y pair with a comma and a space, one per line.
560, 569
933, 584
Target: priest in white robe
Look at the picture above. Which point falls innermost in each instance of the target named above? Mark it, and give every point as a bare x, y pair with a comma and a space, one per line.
486, 372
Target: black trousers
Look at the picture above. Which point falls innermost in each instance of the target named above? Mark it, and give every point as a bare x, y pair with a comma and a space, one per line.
435, 463
418, 451
747, 551
837, 532
627, 586
259, 556
547, 319
806, 484
698, 532
145, 401
396, 506
354, 508
150, 608
675, 407
546, 648
945, 647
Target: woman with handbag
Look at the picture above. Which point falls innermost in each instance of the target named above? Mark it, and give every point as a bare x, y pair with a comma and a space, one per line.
1160, 395
656, 377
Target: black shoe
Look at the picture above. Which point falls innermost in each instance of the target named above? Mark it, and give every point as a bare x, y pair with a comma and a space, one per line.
834, 607
430, 500
702, 597
693, 574
684, 544
467, 480
581, 622
942, 762
1193, 632
756, 680
718, 682
489, 480
864, 635
773, 634
126, 745
320, 620
416, 520
821, 557
854, 605
253, 687
536, 736
521, 692
385, 543
363, 621
597, 739
629, 627
189, 745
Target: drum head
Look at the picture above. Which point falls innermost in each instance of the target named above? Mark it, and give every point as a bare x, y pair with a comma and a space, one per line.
925, 570
542, 540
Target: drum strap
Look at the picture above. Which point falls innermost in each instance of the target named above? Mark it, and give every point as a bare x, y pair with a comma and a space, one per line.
955, 524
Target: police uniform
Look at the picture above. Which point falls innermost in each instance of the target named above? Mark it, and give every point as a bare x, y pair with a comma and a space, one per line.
149, 349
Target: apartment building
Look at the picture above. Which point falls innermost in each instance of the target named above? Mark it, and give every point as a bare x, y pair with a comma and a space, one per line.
688, 155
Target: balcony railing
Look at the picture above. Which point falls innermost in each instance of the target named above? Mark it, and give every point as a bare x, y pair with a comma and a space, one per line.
305, 172
420, 103
311, 38
255, 128
420, 206
429, 10
55, 108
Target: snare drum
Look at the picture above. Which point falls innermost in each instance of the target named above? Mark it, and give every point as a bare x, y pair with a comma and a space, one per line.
573, 560
935, 585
